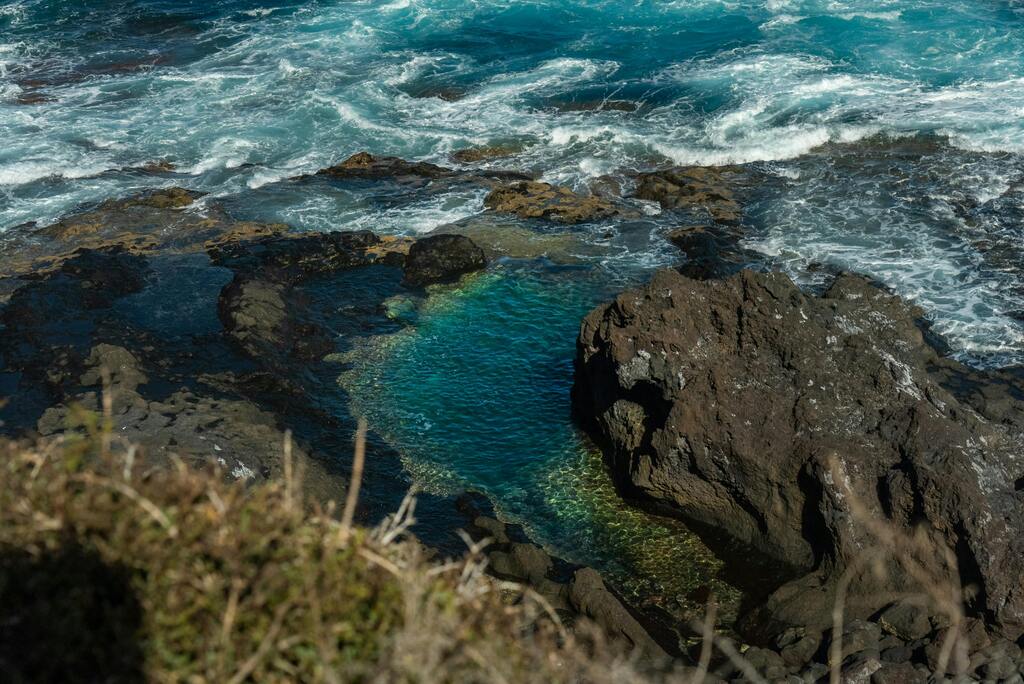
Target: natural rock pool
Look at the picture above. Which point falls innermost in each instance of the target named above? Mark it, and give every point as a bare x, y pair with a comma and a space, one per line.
476, 396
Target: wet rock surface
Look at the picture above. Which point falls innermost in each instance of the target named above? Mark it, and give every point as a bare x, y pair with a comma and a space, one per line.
212, 337
364, 166
536, 200
502, 236
153, 222
574, 592
712, 251
782, 422
711, 191
475, 155
442, 258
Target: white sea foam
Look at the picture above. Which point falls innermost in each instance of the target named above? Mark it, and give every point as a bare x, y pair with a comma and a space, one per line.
302, 90
23, 172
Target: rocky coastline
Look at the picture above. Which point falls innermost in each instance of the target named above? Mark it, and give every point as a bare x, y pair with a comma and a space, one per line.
825, 437
199, 337
820, 443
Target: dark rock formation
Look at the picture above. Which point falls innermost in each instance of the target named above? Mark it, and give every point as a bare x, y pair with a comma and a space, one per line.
475, 155
442, 258
297, 256
705, 189
501, 235
365, 166
533, 199
786, 421
78, 314
153, 222
712, 251
591, 598
574, 592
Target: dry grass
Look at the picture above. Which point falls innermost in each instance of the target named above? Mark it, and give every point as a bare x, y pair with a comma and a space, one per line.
108, 573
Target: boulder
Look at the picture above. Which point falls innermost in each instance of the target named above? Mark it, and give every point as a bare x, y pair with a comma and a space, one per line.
522, 562
785, 423
708, 189
366, 166
591, 598
907, 620
533, 199
712, 251
442, 258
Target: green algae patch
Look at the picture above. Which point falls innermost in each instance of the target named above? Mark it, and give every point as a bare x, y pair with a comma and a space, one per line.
656, 561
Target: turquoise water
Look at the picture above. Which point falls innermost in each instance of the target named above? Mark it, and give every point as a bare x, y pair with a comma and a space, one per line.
477, 394
890, 136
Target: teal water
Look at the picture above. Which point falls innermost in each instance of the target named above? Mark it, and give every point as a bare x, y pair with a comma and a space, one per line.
890, 134
477, 394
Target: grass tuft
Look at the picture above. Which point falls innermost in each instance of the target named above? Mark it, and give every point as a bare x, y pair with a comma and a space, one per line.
111, 573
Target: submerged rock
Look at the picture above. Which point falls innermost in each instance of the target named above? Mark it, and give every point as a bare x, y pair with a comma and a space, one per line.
575, 592
533, 199
156, 221
442, 258
505, 236
786, 421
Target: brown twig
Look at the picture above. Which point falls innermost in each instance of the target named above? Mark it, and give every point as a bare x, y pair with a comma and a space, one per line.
352, 498
707, 643
254, 661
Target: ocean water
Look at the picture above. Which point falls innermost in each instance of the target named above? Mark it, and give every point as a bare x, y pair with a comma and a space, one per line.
889, 135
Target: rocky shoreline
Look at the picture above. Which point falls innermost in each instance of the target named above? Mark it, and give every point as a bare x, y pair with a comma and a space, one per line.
822, 445
216, 340
810, 433
209, 328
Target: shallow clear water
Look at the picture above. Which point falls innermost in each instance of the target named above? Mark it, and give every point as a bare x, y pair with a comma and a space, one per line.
477, 394
891, 133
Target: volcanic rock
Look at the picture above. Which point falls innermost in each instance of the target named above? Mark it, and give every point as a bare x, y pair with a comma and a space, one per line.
442, 258
709, 189
792, 424
156, 221
365, 166
533, 199
591, 598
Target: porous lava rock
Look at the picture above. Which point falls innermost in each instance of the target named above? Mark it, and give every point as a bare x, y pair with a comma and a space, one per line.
442, 258
537, 200
791, 424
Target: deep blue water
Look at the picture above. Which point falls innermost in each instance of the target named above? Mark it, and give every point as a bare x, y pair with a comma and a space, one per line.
890, 133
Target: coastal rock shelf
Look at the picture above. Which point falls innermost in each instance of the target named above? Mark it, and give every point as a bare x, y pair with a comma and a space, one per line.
208, 333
